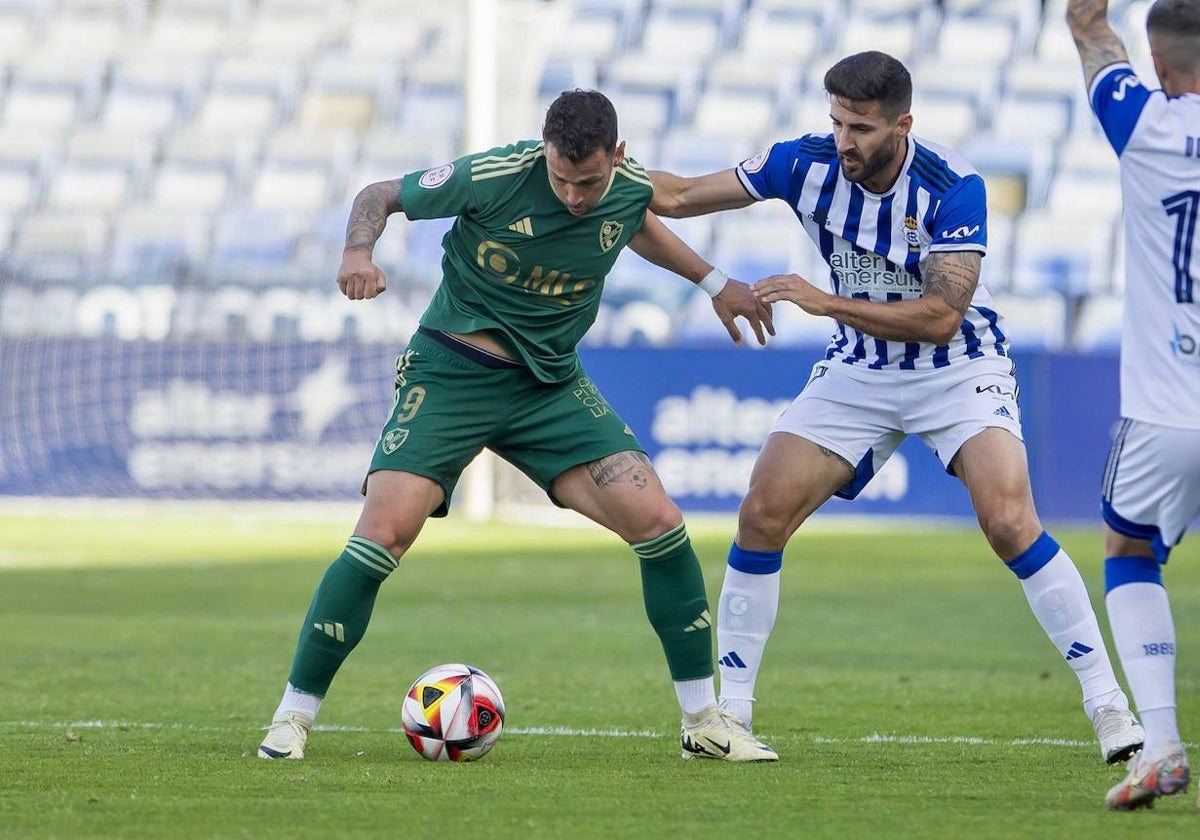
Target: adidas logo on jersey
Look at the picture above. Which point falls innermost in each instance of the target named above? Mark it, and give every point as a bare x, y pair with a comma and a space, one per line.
1003, 412
524, 226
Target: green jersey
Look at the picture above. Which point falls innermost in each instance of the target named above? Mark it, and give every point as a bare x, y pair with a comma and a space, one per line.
516, 261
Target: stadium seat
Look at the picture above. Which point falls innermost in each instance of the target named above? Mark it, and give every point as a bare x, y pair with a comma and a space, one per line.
151, 241
1065, 255
182, 185
73, 239
238, 113
896, 36
1085, 196
779, 37
1098, 327
16, 34
977, 41
89, 37
934, 76
996, 269
1037, 322
742, 116
183, 35
683, 37
95, 187
251, 235
19, 190
133, 151
944, 119
1026, 119
684, 151
304, 188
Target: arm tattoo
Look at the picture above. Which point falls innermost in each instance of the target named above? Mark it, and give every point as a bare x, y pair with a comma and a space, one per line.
1098, 45
952, 276
368, 214
623, 468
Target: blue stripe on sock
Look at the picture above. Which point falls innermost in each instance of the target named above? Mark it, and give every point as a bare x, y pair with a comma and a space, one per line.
755, 562
1027, 563
1121, 570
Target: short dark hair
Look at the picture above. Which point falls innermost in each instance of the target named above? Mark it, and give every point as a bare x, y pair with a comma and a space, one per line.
579, 122
1178, 21
872, 77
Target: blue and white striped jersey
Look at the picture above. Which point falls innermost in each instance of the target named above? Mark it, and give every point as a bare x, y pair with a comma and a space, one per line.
1157, 139
876, 244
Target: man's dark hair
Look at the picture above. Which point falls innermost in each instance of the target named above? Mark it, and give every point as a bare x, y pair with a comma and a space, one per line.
1177, 21
579, 122
872, 77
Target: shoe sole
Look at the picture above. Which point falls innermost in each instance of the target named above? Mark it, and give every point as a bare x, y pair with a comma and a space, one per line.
1125, 753
271, 755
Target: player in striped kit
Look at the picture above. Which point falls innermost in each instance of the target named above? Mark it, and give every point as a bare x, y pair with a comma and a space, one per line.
1151, 486
918, 349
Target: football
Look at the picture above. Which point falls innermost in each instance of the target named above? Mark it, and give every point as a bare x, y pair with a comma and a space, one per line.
453, 712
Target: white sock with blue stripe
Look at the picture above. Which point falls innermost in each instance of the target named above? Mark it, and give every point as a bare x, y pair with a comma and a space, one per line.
745, 617
1143, 629
1059, 600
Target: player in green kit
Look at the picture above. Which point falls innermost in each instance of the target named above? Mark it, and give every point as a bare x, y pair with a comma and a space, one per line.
494, 364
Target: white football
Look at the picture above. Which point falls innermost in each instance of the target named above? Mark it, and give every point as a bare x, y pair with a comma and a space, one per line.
453, 712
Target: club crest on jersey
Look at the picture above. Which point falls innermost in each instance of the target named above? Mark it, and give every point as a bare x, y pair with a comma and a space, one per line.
610, 232
910, 233
755, 163
434, 178
393, 440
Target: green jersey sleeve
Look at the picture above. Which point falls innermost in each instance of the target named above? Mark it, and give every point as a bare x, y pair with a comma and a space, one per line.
440, 192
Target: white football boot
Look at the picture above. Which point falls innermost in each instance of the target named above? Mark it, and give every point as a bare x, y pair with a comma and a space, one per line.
718, 734
286, 737
1119, 733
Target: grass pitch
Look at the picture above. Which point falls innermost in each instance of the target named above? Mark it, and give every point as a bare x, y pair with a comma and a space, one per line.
907, 688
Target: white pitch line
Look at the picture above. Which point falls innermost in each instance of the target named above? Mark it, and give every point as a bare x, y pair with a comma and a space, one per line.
570, 732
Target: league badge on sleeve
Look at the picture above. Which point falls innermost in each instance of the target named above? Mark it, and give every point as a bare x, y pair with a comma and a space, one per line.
752, 165
434, 178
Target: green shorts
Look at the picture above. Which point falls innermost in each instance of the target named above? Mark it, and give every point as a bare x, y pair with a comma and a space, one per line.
452, 401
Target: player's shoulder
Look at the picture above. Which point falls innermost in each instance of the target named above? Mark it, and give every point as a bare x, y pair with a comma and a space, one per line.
505, 161
630, 170
818, 147
940, 168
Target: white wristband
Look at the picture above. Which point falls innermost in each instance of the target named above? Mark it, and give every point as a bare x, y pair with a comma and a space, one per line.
714, 282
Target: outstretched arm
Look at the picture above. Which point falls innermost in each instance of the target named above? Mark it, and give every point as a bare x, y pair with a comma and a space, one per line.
358, 277
950, 278
677, 197
1097, 42
656, 243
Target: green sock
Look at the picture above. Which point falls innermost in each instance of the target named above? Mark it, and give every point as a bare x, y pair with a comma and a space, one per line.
676, 604
339, 613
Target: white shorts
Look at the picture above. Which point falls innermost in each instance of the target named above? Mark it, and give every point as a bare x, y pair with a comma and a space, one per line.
863, 415
1152, 483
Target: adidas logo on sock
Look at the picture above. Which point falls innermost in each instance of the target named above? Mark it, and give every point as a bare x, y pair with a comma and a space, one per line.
1077, 650
701, 623
732, 660
333, 630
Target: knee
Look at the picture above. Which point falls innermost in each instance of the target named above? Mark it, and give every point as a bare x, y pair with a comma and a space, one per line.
651, 521
763, 525
1010, 528
391, 535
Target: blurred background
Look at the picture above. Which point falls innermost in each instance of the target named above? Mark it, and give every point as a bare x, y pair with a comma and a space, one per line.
175, 177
